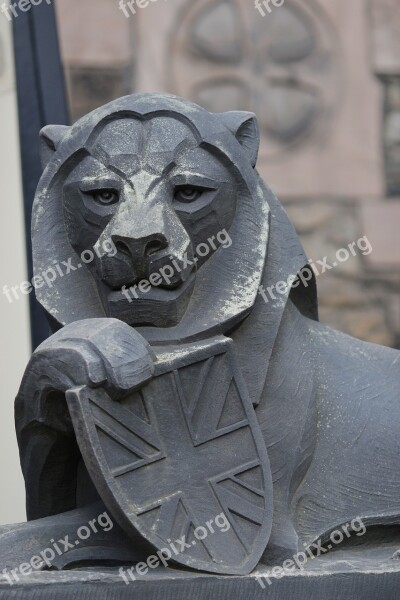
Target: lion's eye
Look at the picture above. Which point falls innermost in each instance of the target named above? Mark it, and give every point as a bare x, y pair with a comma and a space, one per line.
187, 194
105, 196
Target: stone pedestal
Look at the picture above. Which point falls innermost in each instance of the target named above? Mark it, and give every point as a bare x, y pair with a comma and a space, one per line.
346, 582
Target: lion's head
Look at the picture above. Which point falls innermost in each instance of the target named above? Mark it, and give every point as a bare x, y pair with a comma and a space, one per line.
165, 199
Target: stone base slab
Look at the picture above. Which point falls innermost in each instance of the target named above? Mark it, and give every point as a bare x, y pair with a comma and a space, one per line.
330, 582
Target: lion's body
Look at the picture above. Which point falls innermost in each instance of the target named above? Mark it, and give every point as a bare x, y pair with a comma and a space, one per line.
158, 176
330, 415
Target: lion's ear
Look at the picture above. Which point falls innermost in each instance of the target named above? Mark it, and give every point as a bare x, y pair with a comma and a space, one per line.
244, 127
50, 138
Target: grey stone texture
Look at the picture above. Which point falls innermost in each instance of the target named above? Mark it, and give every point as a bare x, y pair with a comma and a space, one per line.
198, 401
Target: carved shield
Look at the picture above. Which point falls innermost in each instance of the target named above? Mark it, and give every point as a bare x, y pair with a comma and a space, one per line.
182, 461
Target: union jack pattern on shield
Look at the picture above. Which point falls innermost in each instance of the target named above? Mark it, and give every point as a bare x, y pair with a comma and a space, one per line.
183, 458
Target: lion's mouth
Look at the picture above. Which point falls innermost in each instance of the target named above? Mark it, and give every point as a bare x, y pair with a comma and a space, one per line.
166, 272
153, 305
159, 280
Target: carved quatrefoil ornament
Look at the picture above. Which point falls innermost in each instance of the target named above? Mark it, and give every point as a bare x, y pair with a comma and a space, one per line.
284, 66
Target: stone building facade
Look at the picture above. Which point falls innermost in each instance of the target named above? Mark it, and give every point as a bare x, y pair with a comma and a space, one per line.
323, 77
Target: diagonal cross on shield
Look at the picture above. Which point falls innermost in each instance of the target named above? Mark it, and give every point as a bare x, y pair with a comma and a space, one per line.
182, 461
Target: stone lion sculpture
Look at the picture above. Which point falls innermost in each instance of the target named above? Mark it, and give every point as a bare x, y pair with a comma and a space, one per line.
170, 389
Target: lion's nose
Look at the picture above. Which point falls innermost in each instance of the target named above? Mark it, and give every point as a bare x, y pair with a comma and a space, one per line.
138, 250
